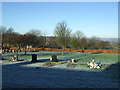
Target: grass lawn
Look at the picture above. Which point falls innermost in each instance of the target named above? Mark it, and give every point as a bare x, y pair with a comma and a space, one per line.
47, 74
105, 58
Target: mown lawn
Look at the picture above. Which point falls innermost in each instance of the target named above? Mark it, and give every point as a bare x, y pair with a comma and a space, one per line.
105, 58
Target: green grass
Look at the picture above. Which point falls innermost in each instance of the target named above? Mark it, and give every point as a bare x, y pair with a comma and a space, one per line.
105, 58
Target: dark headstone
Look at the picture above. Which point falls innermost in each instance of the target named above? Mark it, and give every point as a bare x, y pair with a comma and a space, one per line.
54, 58
34, 58
83, 51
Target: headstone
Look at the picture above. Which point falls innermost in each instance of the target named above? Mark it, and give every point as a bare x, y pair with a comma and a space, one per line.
82, 51
50, 59
72, 60
13, 51
54, 58
34, 58
15, 58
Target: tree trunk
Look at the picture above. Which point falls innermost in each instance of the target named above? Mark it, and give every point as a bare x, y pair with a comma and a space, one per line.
63, 50
25, 50
17, 55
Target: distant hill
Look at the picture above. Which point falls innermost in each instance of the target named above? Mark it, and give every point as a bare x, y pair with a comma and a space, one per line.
103, 39
110, 39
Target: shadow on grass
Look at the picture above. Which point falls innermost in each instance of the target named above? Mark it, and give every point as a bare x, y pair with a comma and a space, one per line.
18, 76
113, 71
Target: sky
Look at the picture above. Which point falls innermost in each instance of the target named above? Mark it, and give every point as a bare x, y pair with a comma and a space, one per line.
98, 19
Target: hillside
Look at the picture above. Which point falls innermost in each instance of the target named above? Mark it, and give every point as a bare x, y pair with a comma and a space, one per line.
110, 39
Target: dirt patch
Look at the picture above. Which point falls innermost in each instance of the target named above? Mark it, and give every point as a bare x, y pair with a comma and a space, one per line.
71, 65
49, 64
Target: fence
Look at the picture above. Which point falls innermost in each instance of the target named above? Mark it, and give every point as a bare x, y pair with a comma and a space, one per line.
70, 50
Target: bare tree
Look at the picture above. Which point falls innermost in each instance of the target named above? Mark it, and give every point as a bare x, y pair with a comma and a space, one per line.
92, 42
40, 40
8, 36
114, 45
35, 32
83, 43
101, 44
78, 38
62, 33
74, 43
78, 35
10, 31
28, 39
3, 34
51, 42
3, 29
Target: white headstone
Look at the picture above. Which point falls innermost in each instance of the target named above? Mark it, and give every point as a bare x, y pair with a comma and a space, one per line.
72, 60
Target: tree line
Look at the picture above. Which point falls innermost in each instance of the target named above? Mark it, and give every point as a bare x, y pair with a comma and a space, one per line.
63, 38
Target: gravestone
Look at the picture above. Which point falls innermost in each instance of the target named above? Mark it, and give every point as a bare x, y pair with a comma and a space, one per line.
34, 58
15, 57
13, 51
54, 58
72, 60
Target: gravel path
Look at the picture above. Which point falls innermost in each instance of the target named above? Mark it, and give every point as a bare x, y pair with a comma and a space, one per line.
18, 76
